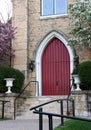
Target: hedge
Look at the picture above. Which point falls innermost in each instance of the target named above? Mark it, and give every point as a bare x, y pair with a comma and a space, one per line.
84, 72
8, 72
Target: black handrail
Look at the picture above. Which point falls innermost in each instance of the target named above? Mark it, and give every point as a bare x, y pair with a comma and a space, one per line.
43, 104
40, 111
64, 116
3, 106
71, 80
72, 84
26, 87
51, 115
21, 94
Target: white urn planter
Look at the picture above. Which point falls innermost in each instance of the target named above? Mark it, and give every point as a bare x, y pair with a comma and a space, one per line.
9, 84
77, 82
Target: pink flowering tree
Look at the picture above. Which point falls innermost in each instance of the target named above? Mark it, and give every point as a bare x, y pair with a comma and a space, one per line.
7, 31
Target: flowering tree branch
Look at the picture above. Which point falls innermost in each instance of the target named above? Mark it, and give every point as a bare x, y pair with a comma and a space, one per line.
7, 33
80, 17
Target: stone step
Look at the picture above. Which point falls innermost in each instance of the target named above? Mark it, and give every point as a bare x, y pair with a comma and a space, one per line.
23, 111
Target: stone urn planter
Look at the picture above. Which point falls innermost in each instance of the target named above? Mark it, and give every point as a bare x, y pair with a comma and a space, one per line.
9, 84
77, 82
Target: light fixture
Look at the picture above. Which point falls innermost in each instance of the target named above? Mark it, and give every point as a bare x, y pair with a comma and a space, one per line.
76, 60
31, 65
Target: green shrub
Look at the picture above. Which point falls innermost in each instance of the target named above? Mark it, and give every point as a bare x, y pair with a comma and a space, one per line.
84, 72
8, 72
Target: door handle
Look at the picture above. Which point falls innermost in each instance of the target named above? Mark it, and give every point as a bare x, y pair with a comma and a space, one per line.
56, 82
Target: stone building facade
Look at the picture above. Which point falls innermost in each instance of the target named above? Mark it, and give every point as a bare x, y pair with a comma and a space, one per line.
34, 32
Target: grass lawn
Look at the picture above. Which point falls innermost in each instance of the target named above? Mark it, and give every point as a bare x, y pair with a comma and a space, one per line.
75, 125
5, 119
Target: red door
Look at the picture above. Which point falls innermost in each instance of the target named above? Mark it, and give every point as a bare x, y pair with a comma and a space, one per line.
55, 69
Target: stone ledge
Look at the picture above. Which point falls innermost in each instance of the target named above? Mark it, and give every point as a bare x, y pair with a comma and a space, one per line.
8, 94
81, 92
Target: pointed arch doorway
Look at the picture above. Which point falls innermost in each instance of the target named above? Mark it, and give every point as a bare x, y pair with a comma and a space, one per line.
55, 69
54, 65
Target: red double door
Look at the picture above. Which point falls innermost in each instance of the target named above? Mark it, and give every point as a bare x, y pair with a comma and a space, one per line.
55, 69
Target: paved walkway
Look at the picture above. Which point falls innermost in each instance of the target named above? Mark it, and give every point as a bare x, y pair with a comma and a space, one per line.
28, 124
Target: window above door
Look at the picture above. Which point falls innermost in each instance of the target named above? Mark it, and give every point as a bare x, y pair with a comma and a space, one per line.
53, 7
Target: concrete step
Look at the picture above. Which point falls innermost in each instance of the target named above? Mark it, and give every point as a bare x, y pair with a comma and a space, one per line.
28, 124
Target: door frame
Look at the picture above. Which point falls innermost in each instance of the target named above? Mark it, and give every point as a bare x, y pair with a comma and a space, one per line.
39, 57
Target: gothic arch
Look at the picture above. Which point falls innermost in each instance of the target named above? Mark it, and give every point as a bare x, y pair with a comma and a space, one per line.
40, 51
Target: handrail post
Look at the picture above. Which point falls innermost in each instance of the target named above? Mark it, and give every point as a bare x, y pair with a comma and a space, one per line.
14, 109
62, 119
50, 122
73, 106
40, 120
3, 102
3, 107
17, 97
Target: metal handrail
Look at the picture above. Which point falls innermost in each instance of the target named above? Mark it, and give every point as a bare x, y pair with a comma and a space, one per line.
71, 80
3, 106
50, 115
18, 96
64, 116
50, 118
46, 103
61, 106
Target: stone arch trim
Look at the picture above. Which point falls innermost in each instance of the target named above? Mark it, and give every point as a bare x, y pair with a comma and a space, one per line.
40, 51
